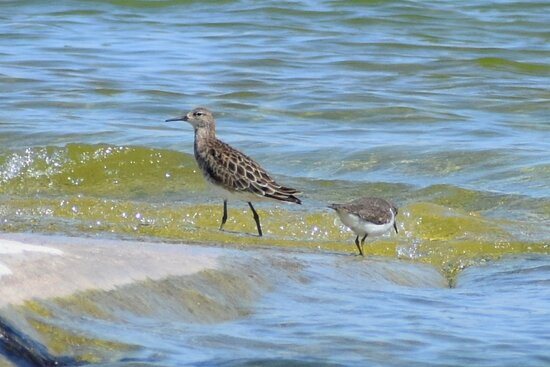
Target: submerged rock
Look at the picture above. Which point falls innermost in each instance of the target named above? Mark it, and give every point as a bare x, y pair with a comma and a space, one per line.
21, 350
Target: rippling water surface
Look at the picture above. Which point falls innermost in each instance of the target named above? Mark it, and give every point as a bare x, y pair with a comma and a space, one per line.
441, 107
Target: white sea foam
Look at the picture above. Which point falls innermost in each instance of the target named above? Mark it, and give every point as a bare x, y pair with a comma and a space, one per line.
16, 247
4, 270
8, 247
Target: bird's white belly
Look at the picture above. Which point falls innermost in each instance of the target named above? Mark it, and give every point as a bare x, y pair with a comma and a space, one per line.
361, 227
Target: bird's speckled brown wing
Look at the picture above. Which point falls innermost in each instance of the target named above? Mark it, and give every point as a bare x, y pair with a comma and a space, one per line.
226, 166
373, 210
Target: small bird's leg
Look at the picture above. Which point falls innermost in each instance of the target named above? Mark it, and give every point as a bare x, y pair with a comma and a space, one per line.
224, 218
358, 247
395, 226
363, 240
256, 219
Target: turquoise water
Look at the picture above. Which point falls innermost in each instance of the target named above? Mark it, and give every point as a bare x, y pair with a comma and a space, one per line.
442, 107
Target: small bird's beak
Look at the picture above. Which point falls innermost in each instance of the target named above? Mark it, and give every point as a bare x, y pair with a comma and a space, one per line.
182, 118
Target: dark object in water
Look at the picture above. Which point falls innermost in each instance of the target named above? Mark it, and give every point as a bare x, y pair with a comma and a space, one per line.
21, 350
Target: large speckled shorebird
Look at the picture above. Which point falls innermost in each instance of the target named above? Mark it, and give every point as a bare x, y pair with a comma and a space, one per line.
367, 216
238, 175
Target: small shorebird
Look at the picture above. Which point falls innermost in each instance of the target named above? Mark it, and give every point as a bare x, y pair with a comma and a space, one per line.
367, 216
238, 175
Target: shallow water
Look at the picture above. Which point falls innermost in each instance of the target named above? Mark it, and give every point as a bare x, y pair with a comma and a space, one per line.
442, 108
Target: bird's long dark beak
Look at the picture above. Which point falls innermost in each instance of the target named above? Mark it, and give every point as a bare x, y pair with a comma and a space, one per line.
395, 226
182, 118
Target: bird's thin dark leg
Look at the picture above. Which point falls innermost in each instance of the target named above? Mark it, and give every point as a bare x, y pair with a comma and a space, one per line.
358, 247
363, 240
224, 218
256, 219
395, 226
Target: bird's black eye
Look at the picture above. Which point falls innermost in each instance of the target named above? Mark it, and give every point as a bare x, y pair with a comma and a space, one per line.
198, 114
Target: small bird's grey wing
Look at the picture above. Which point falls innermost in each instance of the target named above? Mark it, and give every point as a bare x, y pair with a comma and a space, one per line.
376, 218
374, 210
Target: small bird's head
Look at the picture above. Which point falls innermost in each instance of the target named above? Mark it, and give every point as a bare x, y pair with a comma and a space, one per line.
199, 117
334, 206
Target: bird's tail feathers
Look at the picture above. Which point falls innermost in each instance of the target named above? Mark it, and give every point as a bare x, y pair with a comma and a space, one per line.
284, 197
